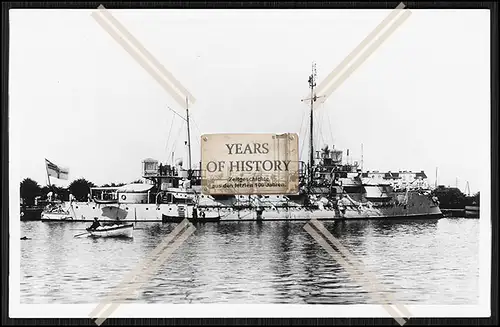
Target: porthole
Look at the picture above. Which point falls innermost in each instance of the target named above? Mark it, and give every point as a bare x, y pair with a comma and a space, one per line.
147, 208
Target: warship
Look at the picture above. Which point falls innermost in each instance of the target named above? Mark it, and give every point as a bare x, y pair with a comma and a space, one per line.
329, 189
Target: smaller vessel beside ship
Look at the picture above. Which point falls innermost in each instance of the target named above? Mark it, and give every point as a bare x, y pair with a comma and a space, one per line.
58, 211
112, 231
56, 215
118, 230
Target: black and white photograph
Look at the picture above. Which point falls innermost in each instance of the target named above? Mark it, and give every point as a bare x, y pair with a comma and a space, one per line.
289, 163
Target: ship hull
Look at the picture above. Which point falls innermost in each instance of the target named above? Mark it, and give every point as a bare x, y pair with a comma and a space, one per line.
323, 214
87, 211
416, 206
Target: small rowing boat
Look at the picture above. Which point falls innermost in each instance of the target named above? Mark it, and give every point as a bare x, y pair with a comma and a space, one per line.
112, 231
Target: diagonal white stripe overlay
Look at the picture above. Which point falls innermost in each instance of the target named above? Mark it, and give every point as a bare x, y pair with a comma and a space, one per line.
361, 53
353, 61
121, 35
357, 270
180, 94
142, 273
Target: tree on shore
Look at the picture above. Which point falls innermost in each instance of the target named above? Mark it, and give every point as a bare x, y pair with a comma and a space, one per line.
80, 188
473, 200
450, 197
453, 198
113, 185
29, 190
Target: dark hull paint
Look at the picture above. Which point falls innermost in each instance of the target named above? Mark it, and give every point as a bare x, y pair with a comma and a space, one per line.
424, 216
31, 213
170, 219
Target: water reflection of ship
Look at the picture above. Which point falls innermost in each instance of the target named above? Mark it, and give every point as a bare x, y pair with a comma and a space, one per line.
329, 189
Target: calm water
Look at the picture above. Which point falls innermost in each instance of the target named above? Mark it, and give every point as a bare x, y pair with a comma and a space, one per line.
418, 261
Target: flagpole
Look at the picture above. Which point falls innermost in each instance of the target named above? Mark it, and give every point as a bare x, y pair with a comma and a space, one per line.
48, 176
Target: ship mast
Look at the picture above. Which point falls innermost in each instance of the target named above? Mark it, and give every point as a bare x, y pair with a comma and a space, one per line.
312, 84
188, 142
188, 139
312, 98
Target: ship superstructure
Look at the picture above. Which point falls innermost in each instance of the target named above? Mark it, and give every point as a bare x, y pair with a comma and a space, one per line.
330, 188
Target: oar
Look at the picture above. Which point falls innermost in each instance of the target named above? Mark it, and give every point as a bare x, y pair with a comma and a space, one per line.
77, 235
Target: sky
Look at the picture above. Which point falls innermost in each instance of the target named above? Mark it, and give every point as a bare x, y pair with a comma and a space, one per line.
77, 98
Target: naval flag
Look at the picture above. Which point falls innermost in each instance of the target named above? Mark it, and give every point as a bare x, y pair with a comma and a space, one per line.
56, 171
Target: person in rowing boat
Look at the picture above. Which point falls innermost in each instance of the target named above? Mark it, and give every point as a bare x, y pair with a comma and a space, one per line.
94, 225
